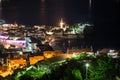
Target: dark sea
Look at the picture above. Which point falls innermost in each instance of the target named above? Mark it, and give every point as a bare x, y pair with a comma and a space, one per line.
103, 14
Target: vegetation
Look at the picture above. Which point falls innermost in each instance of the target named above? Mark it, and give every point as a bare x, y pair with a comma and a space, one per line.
100, 68
2, 49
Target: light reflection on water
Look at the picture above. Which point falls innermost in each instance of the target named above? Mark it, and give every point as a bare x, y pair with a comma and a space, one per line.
51, 11
64, 44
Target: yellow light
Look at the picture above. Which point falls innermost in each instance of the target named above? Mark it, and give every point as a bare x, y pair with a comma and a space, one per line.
61, 23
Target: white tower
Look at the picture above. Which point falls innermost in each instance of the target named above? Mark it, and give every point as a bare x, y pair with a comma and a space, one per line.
61, 23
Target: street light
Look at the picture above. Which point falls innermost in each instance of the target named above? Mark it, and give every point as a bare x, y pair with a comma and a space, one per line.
87, 65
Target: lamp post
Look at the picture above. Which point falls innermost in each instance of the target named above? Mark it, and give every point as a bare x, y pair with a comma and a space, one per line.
86, 65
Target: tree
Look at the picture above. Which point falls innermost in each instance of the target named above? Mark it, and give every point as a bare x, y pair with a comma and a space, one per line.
77, 74
103, 68
2, 49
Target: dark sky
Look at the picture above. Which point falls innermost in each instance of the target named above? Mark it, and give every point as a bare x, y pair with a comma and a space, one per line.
47, 12
104, 15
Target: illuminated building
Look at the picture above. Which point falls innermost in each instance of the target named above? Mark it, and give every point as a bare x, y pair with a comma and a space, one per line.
61, 24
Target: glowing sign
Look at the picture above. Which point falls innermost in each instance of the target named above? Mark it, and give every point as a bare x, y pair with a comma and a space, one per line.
20, 43
3, 37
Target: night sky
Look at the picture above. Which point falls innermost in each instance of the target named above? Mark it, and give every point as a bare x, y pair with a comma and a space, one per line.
104, 16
